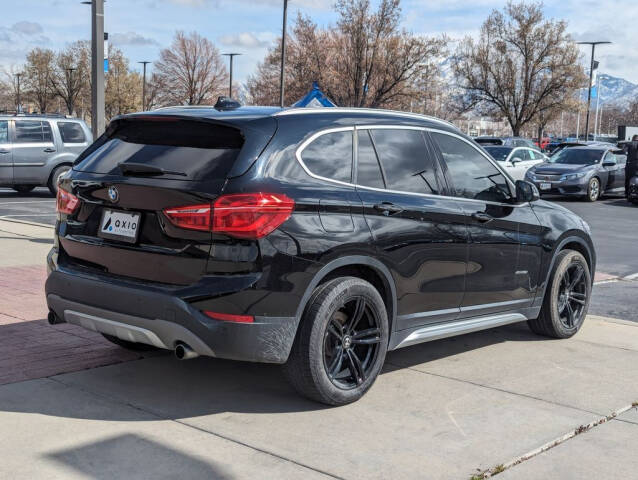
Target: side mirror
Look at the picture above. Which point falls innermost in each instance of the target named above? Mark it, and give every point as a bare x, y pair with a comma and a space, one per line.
609, 163
526, 192
515, 160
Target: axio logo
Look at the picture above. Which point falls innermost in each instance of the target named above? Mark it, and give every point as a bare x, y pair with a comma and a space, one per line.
114, 195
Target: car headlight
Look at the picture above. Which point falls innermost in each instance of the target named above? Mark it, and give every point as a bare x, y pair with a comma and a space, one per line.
573, 176
530, 175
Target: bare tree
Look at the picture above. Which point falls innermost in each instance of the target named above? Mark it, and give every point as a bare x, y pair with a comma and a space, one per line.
191, 71
522, 66
123, 91
365, 60
70, 74
37, 77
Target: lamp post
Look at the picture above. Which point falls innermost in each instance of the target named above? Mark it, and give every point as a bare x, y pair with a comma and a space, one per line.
97, 66
18, 75
230, 87
144, 63
591, 76
283, 56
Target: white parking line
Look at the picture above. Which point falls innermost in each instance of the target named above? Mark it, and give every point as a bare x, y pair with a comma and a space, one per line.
30, 215
602, 282
633, 276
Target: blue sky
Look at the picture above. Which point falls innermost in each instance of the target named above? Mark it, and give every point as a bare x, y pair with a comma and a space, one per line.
142, 27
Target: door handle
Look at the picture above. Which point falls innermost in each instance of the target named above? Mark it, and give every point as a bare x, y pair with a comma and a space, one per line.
388, 208
49, 150
482, 217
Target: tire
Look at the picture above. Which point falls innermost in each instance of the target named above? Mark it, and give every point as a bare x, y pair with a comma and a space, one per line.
55, 175
133, 346
593, 190
23, 188
554, 318
327, 341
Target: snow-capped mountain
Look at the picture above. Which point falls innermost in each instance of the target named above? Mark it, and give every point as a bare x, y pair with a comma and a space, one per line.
617, 90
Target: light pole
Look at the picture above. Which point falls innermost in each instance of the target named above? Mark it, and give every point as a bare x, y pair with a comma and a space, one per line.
283, 56
144, 63
230, 87
18, 75
591, 76
97, 66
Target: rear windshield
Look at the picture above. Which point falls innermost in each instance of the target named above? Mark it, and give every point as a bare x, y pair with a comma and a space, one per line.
577, 156
185, 149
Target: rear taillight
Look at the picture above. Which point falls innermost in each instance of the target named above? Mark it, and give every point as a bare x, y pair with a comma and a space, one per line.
192, 217
241, 215
66, 202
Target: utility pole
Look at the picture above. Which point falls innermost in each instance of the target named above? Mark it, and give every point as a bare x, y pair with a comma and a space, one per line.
283, 56
591, 76
230, 87
596, 130
18, 105
144, 63
97, 66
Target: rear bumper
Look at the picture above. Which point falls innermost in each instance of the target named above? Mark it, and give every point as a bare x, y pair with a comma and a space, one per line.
146, 315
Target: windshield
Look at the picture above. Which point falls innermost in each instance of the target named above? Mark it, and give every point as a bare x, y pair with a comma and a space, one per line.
498, 153
577, 156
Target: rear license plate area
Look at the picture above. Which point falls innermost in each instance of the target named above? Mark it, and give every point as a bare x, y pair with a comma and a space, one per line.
119, 225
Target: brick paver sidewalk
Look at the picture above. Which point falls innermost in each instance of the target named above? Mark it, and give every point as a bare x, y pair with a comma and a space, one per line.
30, 347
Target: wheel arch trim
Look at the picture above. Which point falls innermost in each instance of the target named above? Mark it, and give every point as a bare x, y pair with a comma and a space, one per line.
351, 260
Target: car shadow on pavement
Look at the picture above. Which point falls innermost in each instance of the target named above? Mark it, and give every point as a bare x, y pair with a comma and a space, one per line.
37, 194
169, 389
111, 457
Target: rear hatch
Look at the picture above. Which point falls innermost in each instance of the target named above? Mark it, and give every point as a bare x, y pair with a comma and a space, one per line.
127, 181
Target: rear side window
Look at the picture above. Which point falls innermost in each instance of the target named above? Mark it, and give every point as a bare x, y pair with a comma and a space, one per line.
473, 175
192, 150
32, 131
71, 132
4, 131
368, 168
330, 156
406, 161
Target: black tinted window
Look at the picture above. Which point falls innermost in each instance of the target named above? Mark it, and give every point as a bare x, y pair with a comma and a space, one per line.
4, 131
406, 162
71, 132
28, 131
330, 156
368, 170
473, 175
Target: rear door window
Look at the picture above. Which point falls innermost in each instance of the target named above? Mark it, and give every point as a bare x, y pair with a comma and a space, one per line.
33, 131
330, 156
406, 160
71, 132
185, 149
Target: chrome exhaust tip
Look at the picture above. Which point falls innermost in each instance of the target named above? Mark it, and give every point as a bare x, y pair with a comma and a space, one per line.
184, 352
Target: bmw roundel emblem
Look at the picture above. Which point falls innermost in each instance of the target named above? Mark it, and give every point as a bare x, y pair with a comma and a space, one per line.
114, 195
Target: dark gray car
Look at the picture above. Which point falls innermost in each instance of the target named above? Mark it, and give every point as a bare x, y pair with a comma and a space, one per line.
37, 150
587, 172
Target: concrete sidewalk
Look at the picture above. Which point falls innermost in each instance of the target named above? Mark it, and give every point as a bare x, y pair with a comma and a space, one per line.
448, 409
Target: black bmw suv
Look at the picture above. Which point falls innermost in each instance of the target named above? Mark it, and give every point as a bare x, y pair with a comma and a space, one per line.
314, 238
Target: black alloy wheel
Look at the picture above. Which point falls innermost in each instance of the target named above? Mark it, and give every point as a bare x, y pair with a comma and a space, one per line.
341, 342
566, 298
572, 298
351, 344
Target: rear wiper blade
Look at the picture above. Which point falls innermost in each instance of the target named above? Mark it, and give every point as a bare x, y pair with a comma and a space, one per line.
129, 168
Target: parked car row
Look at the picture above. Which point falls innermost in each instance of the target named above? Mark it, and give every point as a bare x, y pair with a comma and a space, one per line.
580, 169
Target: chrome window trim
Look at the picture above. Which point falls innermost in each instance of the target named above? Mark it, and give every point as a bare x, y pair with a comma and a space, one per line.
355, 128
